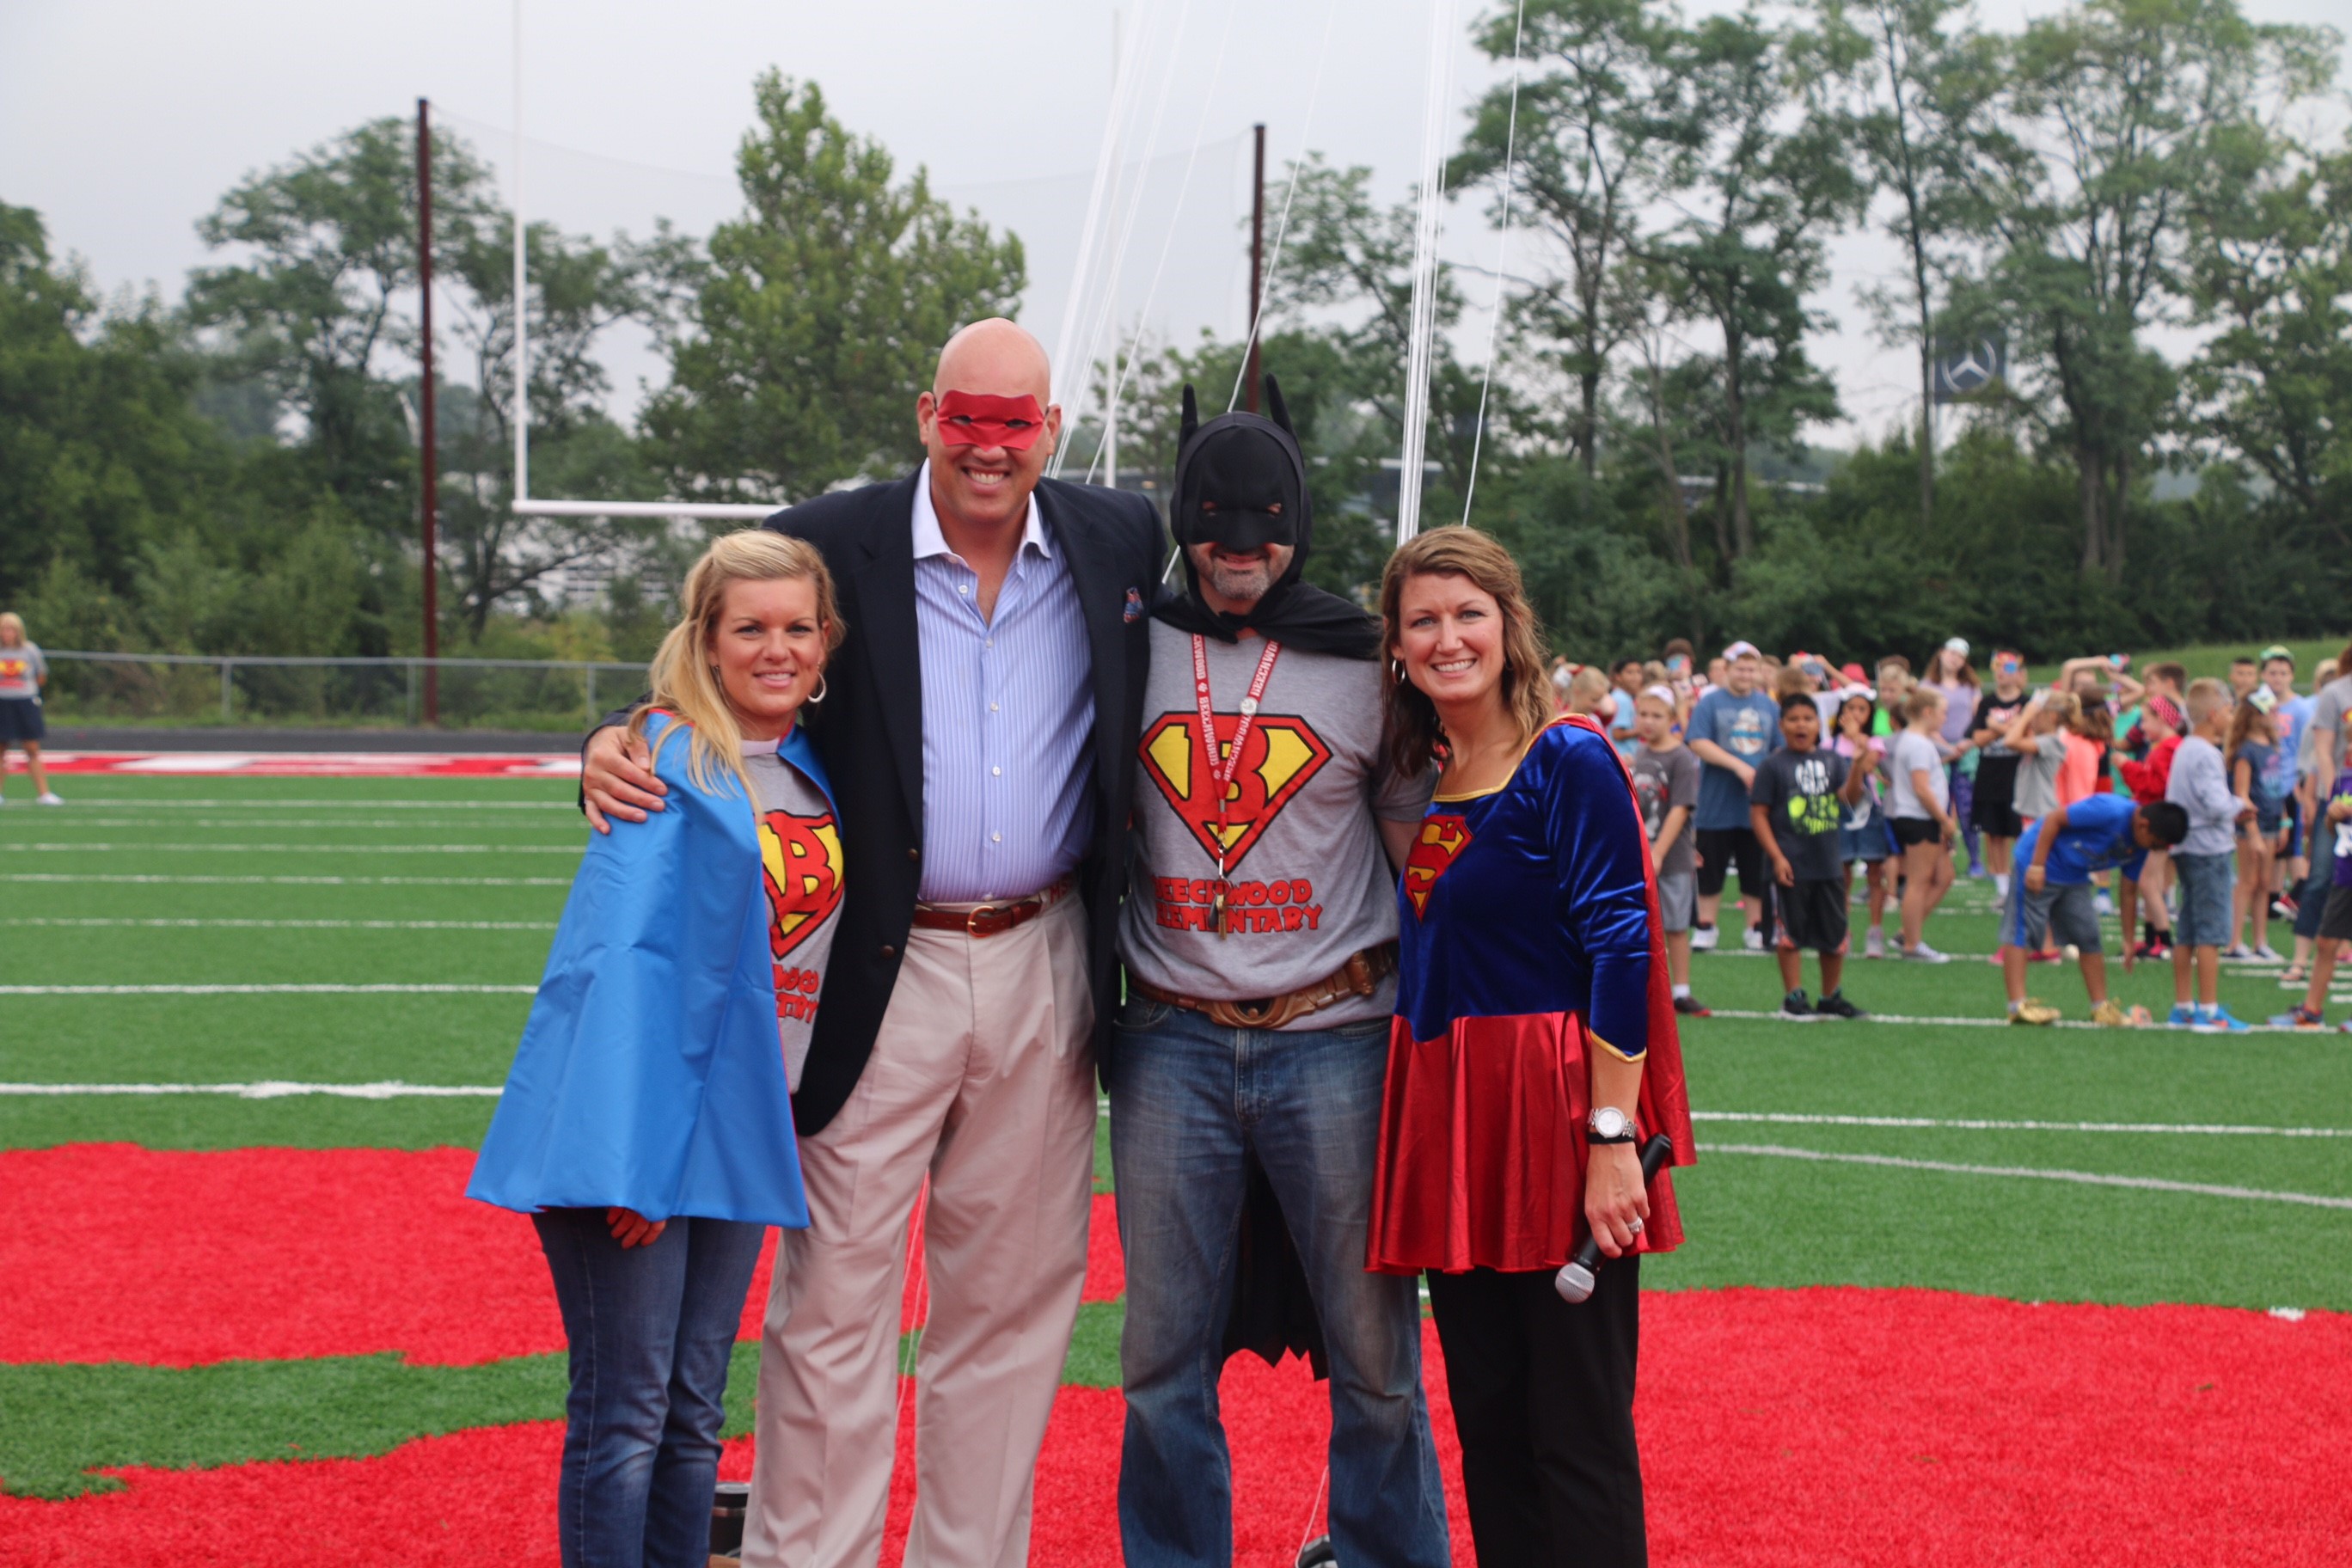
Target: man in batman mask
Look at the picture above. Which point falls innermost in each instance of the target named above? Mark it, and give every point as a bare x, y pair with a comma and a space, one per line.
1259, 936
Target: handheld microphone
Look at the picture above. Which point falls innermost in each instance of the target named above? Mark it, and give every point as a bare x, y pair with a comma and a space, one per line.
1574, 1281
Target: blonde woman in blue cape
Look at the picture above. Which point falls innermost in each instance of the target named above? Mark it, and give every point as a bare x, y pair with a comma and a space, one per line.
647, 1126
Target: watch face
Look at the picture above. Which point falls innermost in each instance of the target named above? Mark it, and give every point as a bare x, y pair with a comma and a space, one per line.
1609, 1122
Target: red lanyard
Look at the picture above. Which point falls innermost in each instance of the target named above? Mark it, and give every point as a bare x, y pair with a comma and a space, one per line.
1222, 771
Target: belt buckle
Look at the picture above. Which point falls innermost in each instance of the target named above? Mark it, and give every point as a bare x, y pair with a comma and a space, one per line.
1256, 1012
975, 925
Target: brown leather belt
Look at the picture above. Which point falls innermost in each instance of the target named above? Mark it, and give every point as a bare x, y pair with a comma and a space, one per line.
992, 920
1360, 976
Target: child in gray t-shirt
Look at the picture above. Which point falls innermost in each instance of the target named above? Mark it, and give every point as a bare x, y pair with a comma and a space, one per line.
23, 672
1667, 783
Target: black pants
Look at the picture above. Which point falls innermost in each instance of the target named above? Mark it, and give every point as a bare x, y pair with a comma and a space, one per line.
1543, 1401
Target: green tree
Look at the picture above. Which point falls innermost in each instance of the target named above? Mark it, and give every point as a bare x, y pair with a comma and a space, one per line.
1925, 84
101, 452
1766, 173
2122, 110
1594, 126
314, 311
2270, 268
820, 313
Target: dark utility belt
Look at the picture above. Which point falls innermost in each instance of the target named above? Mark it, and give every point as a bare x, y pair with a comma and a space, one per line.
1360, 976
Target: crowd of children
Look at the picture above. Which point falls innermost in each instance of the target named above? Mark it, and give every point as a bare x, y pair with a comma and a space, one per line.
2198, 812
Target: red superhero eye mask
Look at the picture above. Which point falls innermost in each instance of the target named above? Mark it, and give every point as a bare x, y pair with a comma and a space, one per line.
981, 419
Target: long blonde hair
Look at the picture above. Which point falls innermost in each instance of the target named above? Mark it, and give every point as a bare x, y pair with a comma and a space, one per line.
1413, 732
684, 680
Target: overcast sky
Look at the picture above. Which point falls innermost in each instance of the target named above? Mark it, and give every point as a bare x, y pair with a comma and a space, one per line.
123, 122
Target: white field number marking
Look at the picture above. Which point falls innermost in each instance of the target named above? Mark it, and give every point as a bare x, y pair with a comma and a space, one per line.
2087, 1178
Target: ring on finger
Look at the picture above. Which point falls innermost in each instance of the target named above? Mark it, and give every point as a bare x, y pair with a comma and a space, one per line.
1635, 1227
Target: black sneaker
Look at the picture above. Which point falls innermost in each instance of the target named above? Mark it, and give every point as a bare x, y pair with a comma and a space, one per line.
1692, 1008
1835, 1005
1795, 1005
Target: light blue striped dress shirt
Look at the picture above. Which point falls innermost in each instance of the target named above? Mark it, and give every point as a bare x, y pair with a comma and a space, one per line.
1008, 718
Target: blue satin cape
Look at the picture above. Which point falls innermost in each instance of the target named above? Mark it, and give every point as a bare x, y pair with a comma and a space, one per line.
649, 1076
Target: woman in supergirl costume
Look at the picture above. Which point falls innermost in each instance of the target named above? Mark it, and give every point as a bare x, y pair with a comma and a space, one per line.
647, 1126
1534, 1048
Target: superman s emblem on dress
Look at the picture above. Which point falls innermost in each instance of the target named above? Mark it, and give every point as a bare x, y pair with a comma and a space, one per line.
1282, 754
1439, 844
799, 857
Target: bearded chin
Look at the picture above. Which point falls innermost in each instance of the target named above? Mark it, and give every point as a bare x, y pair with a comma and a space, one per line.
1248, 583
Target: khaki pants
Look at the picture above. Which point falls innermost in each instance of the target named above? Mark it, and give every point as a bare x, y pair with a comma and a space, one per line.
982, 1078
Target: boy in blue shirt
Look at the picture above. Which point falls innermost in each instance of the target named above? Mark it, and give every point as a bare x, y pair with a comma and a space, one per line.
2058, 855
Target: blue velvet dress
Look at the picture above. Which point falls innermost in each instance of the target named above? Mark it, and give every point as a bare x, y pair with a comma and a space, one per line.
1528, 938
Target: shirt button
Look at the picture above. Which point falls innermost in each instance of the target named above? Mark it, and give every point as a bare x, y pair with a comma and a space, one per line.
992, 708
889, 952
997, 770
914, 854
963, 588
989, 642
997, 839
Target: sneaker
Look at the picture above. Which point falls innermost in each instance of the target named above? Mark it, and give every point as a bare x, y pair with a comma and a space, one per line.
2266, 953
1752, 938
1703, 939
1796, 1006
2299, 1018
48, 797
2110, 1015
1692, 1008
2238, 950
2220, 1022
2104, 901
2161, 948
1835, 1005
1923, 953
2031, 1011
2044, 955
1873, 946
2181, 1017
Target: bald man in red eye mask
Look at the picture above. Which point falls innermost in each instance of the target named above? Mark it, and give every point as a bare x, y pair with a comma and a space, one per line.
979, 731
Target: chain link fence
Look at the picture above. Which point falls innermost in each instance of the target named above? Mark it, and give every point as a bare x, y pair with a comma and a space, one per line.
197, 689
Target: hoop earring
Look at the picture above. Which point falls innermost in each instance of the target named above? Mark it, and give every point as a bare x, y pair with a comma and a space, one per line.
1396, 671
818, 695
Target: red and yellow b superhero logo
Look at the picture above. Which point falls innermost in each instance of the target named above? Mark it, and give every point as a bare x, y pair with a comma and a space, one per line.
1281, 754
1439, 843
801, 857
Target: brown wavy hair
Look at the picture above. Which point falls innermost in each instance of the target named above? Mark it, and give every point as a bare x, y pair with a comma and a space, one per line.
1413, 735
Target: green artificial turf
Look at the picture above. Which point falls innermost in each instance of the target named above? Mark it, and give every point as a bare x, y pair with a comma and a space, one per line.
1753, 1218
60, 1421
57, 1422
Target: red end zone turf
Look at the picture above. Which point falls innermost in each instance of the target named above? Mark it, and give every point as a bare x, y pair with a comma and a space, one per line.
1777, 1427
110, 1252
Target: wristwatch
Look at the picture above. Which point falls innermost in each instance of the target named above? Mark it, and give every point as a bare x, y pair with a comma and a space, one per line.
1607, 1124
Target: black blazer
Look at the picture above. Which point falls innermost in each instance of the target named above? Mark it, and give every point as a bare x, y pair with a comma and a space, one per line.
869, 732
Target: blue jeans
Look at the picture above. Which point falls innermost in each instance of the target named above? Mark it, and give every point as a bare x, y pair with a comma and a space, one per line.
1188, 1100
651, 1329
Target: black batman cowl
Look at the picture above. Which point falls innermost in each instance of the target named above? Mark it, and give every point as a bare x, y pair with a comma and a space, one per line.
1242, 479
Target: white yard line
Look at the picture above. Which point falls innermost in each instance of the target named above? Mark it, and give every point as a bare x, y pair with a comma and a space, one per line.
1972, 1124
291, 881
1985, 1023
286, 925
232, 990
571, 849
270, 1089
2085, 1178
